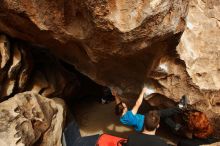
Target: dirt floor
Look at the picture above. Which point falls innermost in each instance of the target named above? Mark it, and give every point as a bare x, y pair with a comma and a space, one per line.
97, 118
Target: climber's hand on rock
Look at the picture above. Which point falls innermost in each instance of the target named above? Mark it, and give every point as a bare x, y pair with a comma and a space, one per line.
144, 90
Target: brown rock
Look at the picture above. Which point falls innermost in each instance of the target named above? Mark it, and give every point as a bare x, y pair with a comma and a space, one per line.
13, 71
37, 70
49, 77
5, 56
16, 63
28, 119
114, 42
127, 44
199, 47
196, 74
171, 79
16, 70
27, 66
38, 82
5, 50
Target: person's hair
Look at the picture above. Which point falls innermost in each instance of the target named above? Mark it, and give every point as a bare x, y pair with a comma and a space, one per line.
199, 124
119, 109
152, 119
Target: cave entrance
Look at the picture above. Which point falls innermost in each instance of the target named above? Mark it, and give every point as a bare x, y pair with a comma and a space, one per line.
94, 117
87, 89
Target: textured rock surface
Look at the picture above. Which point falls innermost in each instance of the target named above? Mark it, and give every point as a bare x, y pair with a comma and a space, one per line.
125, 44
200, 45
50, 78
199, 48
129, 35
171, 79
197, 73
28, 119
16, 66
26, 69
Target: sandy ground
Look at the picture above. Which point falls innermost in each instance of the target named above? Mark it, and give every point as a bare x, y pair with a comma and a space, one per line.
96, 118
99, 118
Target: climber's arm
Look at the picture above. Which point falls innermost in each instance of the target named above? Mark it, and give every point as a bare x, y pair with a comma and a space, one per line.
139, 101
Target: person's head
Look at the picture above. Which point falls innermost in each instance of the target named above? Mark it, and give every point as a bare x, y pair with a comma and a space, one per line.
152, 120
199, 124
120, 109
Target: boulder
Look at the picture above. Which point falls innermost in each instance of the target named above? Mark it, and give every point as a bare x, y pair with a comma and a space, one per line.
170, 79
29, 68
199, 46
31, 119
115, 43
126, 45
192, 68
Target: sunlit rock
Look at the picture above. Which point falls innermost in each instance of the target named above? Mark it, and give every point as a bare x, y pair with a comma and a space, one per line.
28, 119
115, 43
199, 47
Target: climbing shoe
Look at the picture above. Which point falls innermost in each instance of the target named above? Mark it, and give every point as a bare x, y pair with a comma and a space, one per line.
183, 102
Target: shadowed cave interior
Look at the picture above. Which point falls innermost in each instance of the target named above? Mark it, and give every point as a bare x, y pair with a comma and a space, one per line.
33, 68
95, 117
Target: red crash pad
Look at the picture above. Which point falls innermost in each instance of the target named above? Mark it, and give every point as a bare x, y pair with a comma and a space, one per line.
110, 140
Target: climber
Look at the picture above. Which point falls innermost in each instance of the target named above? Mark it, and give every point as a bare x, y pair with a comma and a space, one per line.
131, 118
146, 137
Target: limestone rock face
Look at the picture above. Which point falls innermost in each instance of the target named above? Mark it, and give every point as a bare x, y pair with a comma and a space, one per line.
197, 73
114, 42
199, 49
16, 67
125, 44
200, 46
28, 68
194, 70
29, 118
50, 78
170, 79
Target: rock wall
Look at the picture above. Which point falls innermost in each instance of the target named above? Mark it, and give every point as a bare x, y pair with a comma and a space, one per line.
128, 44
200, 46
171, 80
29, 68
31, 119
114, 42
194, 69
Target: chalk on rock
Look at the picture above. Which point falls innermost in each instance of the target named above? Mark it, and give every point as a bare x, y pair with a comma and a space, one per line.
162, 68
149, 92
